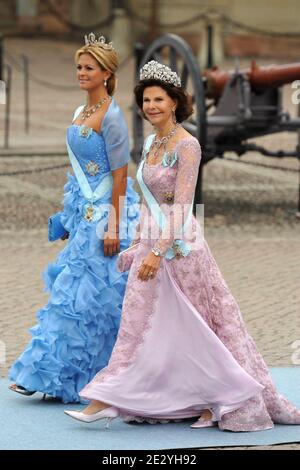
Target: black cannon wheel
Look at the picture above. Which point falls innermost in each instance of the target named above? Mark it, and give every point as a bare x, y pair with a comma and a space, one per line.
173, 51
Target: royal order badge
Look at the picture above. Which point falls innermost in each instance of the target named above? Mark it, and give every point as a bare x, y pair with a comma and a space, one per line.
92, 168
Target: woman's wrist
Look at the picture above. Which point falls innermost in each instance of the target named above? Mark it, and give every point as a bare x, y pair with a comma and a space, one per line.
157, 252
112, 228
111, 233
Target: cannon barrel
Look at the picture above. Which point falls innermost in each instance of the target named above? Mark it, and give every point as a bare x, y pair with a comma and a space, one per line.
260, 78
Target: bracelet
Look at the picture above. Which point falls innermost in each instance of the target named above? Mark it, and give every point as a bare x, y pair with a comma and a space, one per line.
156, 252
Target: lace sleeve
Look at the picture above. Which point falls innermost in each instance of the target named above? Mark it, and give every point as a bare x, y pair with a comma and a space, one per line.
189, 156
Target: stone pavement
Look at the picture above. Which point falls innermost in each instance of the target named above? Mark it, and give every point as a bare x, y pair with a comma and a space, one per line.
249, 223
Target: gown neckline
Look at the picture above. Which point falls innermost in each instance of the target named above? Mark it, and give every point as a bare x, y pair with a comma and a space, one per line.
172, 152
100, 132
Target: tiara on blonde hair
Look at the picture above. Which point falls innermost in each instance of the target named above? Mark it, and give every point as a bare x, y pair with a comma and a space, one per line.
90, 40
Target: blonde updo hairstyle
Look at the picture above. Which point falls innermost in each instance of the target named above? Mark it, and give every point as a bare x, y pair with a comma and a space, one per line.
107, 60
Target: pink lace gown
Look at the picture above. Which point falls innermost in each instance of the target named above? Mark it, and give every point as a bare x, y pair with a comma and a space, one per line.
182, 345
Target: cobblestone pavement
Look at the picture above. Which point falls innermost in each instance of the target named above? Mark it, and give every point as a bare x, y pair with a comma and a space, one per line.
249, 225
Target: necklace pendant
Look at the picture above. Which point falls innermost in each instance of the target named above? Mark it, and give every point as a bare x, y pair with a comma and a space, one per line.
157, 143
155, 154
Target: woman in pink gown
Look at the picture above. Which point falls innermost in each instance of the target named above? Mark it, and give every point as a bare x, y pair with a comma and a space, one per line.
183, 349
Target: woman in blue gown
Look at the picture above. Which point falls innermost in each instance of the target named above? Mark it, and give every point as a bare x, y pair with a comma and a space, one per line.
77, 328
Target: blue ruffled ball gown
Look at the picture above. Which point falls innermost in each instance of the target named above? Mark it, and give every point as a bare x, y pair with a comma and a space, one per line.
77, 328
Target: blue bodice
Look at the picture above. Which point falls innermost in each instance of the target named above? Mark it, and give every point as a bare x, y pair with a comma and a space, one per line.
90, 150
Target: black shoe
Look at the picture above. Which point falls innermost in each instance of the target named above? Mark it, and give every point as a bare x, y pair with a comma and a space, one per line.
20, 389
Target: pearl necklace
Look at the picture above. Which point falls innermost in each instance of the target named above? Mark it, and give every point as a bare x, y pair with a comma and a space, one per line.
86, 113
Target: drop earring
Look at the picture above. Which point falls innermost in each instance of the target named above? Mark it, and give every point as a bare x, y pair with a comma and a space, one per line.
174, 117
105, 83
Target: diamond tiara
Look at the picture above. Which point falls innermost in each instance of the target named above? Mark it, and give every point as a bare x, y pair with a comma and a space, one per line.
161, 72
90, 40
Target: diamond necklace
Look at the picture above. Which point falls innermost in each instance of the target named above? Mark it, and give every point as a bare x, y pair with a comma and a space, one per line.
86, 113
157, 143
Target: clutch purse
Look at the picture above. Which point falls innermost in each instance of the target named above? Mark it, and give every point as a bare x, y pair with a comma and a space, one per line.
55, 228
126, 257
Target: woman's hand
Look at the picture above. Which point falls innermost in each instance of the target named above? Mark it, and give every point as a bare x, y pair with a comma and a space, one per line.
111, 244
65, 236
149, 267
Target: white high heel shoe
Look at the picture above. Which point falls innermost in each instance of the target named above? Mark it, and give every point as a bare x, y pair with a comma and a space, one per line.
203, 423
109, 414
